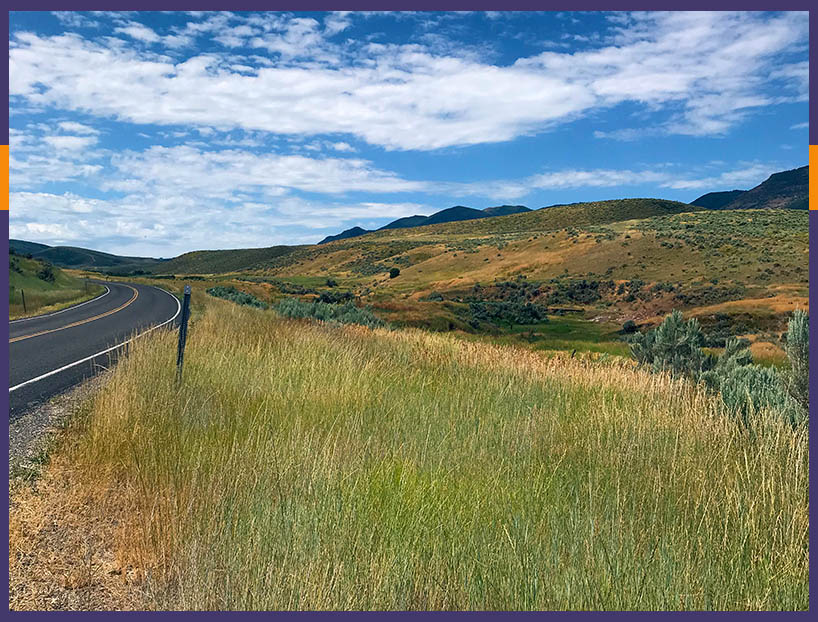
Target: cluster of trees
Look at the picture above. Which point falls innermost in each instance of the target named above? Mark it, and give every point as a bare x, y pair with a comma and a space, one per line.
675, 347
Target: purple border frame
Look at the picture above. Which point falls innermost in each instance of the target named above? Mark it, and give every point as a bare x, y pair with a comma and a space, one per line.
585, 5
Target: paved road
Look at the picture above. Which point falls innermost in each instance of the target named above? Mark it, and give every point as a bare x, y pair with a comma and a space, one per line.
43, 350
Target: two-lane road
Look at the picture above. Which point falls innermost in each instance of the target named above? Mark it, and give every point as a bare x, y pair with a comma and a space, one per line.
50, 353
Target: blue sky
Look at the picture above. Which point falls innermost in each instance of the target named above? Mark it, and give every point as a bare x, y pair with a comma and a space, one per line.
160, 133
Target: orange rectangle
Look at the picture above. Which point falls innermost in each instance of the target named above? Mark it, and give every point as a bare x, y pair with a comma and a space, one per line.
813, 177
4, 158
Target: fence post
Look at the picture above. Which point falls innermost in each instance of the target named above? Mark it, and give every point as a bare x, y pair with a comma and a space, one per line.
23, 294
180, 356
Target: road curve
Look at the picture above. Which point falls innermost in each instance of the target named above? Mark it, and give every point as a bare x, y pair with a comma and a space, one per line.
51, 353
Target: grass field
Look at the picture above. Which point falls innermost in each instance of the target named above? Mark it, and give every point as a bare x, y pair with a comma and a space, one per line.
308, 466
43, 295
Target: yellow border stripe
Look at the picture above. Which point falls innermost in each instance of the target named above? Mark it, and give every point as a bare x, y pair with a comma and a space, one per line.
813, 176
85, 321
4, 157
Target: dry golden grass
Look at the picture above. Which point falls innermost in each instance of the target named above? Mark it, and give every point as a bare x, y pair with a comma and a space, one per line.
305, 466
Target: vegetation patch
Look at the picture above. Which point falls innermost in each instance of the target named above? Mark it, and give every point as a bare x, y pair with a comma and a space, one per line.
345, 313
239, 297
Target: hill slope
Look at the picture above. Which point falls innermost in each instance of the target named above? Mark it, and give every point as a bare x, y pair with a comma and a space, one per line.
785, 190
214, 262
717, 200
76, 257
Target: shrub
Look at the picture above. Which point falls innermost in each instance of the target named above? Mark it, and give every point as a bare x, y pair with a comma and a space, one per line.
346, 313
331, 282
239, 297
629, 327
394, 272
675, 346
46, 273
798, 355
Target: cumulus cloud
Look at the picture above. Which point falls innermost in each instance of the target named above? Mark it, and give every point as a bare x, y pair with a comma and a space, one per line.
708, 71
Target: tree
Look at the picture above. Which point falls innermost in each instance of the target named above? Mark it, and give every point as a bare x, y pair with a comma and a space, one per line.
394, 272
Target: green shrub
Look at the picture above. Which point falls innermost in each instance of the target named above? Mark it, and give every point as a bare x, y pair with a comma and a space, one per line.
394, 272
239, 297
46, 273
798, 355
346, 313
629, 327
675, 347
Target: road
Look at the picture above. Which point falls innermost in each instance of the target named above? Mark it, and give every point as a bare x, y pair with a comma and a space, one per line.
51, 353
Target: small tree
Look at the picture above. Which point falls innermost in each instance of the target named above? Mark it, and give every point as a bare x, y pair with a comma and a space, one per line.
394, 272
629, 327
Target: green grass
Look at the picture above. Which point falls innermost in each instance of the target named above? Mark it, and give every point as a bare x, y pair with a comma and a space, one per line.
306, 466
43, 296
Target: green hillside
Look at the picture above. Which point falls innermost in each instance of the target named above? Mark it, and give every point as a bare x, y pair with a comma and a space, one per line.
46, 287
215, 262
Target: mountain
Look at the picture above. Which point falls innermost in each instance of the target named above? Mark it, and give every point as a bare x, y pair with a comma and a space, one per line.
505, 210
349, 233
717, 200
454, 214
451, 214
404, 223
784, 190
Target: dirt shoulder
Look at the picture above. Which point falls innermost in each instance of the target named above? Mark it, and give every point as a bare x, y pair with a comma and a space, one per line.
63, 533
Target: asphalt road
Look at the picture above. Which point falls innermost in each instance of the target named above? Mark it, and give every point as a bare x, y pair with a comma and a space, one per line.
51, 353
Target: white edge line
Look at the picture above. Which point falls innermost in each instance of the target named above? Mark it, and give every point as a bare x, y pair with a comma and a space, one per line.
37, 317
93, 356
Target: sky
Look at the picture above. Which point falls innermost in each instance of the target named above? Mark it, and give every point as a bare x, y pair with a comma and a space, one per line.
154, 134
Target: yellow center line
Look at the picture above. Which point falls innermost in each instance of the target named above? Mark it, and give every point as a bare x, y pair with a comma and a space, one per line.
85, 321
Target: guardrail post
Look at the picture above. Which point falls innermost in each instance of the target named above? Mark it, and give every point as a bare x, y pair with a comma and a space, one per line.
23, 294
180, 356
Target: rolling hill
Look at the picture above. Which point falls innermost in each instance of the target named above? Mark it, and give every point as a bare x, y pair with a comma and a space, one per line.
75, 257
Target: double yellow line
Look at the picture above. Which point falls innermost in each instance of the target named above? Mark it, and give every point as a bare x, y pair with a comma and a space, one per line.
85, 321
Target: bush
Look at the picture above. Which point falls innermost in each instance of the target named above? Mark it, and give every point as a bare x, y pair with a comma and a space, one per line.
745, 388
46, 273
675, 346
331, 282
346, 313
798, 355
629, 327
234, 295
394, 272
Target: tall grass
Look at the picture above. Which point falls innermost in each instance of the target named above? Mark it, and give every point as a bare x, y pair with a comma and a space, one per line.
39, 301
309, 466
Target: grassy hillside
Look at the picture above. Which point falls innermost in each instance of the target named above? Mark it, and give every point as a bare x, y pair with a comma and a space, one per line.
214, 262
302, 466
46, 287
75, 257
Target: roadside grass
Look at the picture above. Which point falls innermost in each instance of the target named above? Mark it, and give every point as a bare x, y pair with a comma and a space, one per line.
44, 296
309, 466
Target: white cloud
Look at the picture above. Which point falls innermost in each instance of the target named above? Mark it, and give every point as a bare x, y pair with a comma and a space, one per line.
138, 31
221, 174
706, 70
69, 143
76, 128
